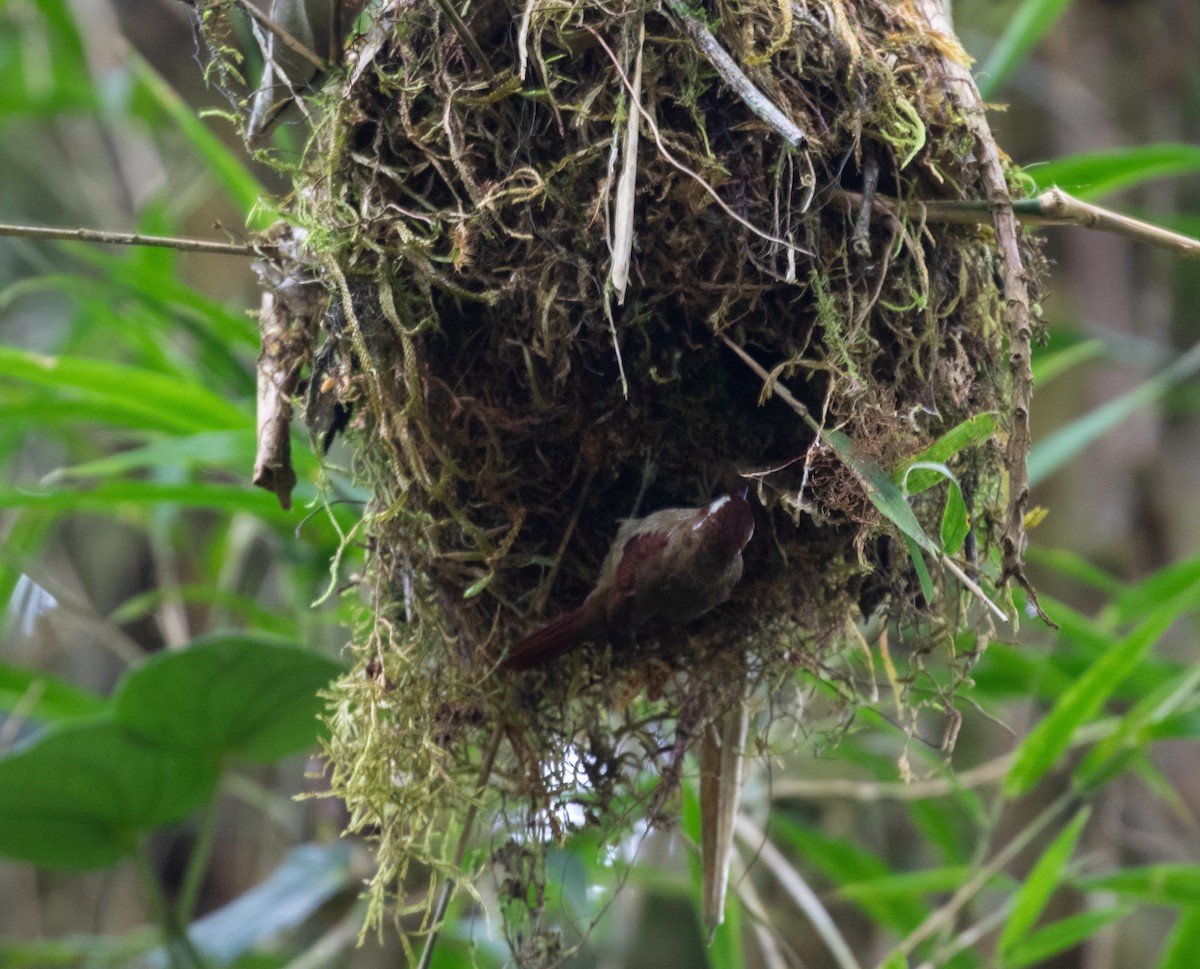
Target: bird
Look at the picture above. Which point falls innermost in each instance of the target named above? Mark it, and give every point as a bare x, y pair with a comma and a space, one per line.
675, 564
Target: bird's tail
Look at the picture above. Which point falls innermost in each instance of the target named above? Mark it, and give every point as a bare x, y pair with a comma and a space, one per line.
569, 630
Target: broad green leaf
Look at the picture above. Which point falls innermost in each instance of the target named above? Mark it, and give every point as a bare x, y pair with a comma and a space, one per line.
1058, 448
43, 696
232, 695
308, 877
1179, 951
1094, 174
1049, 740
1040, 884
1062, 935
1166, 884
167, 402
969, 433
1029, 25
79, 794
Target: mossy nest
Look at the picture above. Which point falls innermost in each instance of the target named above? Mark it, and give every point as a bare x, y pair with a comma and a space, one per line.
461, 202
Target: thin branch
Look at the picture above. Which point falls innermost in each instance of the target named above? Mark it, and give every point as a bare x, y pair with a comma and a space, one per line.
460, 850
1053, 207
282, 33
732, 75
871, 792
126, 239
1017, 313
791, 882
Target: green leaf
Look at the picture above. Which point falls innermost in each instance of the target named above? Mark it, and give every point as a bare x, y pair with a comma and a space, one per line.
1075, 566
44, 697
43, 66
1134, 730
1094, 174
1029, 24
79, 794
882, 491
1040, 884
1166, 884
138, 498
1164, 585
1062, 935
956, 520
230, 449
229, 170
969, 433
1050, 739
908, 884
234, 695
166, 402
1064, 444
919, 566
1179, 951
1049, 362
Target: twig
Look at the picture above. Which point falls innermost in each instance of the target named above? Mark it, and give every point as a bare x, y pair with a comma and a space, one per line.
1054, 207
460, 850
790, 881
676, 163
284, 36
990, 772
1017, 314
941, 917
125, 239
860, 241
732, 75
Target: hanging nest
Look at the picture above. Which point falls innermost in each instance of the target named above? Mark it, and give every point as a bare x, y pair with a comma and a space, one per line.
512, 386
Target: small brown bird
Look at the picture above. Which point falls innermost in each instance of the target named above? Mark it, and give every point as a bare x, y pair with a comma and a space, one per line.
675, 564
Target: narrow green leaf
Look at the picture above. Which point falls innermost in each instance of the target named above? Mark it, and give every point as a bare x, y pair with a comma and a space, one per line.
236, 695
1062, 935
1139, 600
211, 449
230, 171
1179, 951
1110, 756
969, 433
882, 491
1166, 884
1094, 174
1029, 25
1075, 566
136, 498
44, 697
79, 794
918, 561
1064, 444
1050, 739
908, 884
167, 401
1051, 362
956, 520
1040, 884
